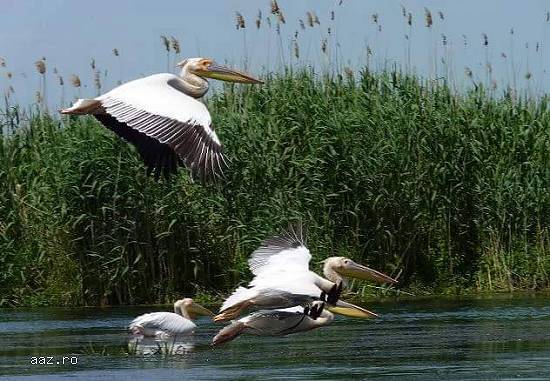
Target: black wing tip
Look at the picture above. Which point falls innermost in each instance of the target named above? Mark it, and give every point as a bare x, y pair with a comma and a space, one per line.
191, 146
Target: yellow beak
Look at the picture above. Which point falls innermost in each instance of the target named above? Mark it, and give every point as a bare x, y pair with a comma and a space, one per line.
196, 309
355, 270
222, 73
351, 310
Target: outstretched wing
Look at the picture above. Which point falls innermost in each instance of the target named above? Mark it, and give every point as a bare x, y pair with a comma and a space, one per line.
286, 252
281, 275
167, 126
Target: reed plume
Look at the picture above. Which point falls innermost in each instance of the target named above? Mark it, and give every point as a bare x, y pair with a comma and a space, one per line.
259, 19
166, 43
239, 20
274, 7
296, 49
75, 80
97, 81
302, 25
40, 67
309, 16
428, 17
174, 42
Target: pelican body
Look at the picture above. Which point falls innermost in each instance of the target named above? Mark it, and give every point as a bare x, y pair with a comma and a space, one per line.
175, 323
163, 118
283, 279
277, 322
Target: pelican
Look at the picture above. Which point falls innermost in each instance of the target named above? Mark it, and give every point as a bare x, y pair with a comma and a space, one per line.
283, 279
175, 323
277, 322
281, 322
163, 118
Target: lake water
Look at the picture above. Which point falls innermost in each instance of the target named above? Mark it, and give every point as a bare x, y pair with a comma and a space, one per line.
497, 338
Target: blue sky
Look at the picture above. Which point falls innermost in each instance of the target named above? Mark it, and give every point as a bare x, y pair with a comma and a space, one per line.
70, 33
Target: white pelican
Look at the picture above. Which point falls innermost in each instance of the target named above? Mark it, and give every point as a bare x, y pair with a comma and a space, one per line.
175, 323
162, 116
283, 279
282, 322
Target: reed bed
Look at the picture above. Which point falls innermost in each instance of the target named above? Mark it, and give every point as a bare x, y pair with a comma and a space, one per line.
449, 191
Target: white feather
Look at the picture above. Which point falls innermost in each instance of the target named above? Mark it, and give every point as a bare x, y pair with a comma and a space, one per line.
163, 322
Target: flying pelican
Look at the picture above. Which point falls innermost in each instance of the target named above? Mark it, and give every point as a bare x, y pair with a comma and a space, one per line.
286, 321
162, 116
278, 322
175, 323
283, 279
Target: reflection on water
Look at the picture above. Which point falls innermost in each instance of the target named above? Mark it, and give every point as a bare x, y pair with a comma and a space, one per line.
423, 339
152, 346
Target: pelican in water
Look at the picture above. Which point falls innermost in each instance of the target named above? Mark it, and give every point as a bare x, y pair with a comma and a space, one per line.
177, 323
161, 115
282, 322
282, 278
278, 322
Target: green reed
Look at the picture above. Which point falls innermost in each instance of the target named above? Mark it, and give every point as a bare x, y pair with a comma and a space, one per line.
449, 191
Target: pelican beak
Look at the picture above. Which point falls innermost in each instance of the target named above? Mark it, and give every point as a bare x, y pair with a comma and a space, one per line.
351, 310
222, 73
197, 309
355, 270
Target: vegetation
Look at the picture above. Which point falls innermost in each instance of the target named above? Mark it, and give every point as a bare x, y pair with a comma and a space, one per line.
445, 190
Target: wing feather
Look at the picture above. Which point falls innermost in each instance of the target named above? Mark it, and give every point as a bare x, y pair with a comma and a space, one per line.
285, 252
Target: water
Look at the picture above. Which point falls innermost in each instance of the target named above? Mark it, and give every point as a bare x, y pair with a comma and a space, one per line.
498, 338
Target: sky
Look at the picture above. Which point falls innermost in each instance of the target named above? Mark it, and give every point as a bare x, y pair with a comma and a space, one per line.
72, 33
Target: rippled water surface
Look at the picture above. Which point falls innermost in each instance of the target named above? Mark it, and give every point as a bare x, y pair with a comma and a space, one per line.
499, 338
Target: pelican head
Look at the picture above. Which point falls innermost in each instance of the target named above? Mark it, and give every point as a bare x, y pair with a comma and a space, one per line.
189, 309
194, 72
207, 68
339, 269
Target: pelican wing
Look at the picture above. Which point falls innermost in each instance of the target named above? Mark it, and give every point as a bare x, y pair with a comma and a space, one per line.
282, 277
168, 322
273, 294
284, 253
166, 125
